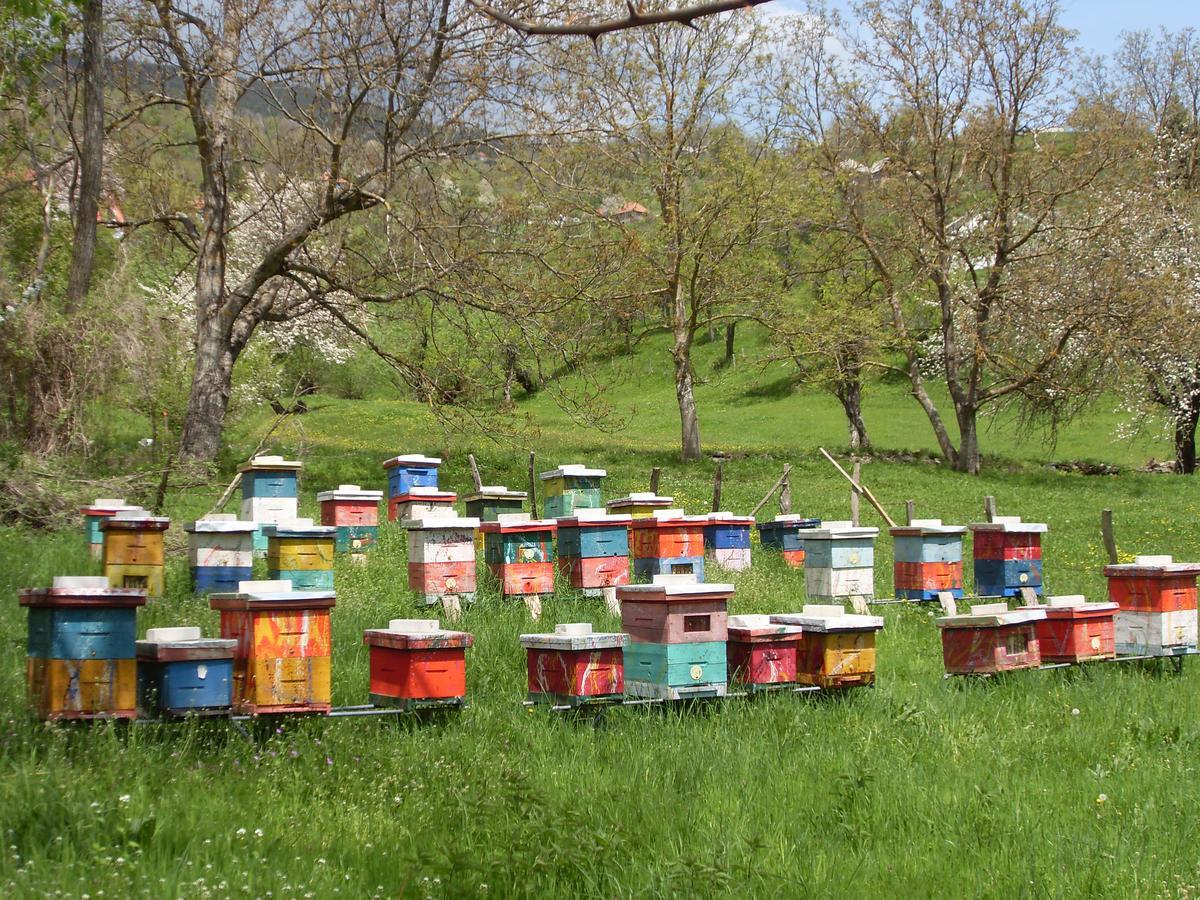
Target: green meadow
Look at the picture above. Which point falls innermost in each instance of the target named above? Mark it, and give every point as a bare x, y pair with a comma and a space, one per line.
1077, 782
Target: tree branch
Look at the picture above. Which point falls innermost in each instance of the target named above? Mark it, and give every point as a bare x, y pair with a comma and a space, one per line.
684, 15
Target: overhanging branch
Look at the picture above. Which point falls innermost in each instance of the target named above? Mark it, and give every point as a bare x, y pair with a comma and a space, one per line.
684, 15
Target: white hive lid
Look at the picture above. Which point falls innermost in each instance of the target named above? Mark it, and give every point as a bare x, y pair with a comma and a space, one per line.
1154, 560
513, 518
573, 629
573, 470
81, 582
668, 513
173, 633
750, 621
432, 523
412, 626
682, 578
416, 459
989, 609
424, 490
109, 502
1067, 600
283, 586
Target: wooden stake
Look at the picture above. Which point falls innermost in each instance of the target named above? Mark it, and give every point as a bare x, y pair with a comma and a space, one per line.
451, 608
856, 481
475, 472
1029, 597
989, 508
654, 476
948, 603
861, 488
858, 603
1110, 540
610, 600
533, 507
910, 511
533, 603
785, 496
718, 476
776, 486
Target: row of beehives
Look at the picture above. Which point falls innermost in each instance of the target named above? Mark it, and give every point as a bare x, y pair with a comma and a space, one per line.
274, 653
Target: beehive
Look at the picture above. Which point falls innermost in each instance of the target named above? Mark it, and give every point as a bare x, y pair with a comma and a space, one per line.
519, 553
302, 553
678, 630
762, 655
441, 557
837, 649
220, 552
417, 665
727, 540
283, 648
1008, 556
181, 673
269, 494
639, 504
410, 470
991, 639
786, 535
80, 661
93, 515
489, 503
570, 487
1075, 631
420, 502
928, 559
667, 543
575, 665
1156, 597
354, 512
133, 550
839, 561
593, 550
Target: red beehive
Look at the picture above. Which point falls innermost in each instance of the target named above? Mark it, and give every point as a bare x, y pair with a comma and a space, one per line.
1153, 584
667, 534
416, 664
991, 639
762, 655
1075, 631
574, 665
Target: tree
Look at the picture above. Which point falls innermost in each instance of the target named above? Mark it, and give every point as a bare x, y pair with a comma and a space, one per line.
979, 188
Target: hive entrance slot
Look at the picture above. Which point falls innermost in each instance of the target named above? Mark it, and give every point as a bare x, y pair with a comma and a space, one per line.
136, 581
697, 623
681, 568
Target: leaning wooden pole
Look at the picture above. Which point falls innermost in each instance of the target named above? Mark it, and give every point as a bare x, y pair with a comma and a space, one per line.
1110, 539
776, 486
475, 476
860, 489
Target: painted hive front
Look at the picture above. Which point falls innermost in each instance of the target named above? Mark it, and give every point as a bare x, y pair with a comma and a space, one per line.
575, 665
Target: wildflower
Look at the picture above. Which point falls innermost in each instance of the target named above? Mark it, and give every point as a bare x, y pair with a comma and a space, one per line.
258, 832
1102, 799
1075, 711
124, 798
241, 832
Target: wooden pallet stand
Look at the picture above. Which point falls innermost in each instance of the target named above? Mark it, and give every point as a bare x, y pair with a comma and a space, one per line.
762, 655
354, 512
727, 541
1007, 556
593, 550
133, 550
103, 508
220, 552
928, 559
80, 657
839, 561
785, 534
991, 639
180, 673
575, 666
837, 649
416, 664
302, 553
284, 647
1156, 597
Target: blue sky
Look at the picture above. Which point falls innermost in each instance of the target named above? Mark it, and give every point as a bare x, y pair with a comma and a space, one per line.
1098, 22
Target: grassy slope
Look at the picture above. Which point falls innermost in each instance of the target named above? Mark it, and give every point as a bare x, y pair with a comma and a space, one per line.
919, 786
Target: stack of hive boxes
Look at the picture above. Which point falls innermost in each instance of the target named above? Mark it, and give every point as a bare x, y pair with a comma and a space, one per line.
220, 552
727, 540
420, 502
133, 550
181, 673
519, 553
441, 557
786, 534
678, 630
93, 515
1008, 556
409, 471
575, 666
302, 553
283, 647
269, 494
415, 664
80, 654
569, 488
354, 512
928, 559
667, 543
593, 550
839, 561
1157, 600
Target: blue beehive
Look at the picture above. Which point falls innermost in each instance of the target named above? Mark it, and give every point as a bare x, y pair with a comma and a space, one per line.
181, 673
785, 532
269, 494
220, 552
411, 470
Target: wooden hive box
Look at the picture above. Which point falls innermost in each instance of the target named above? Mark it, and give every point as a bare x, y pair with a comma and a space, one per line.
785, 534
283, 648
133, 550
410, 470
519, 553
1008, 556
991, 639
415, 664
80, 657
569, 488
575, 666
667, 543
420, 502
1075, 631
837, 650
678, 629
270, 492
354, 512
93, 515
928, 559
727, 540
302, 553
839, 561
180, 673
593, 550
441, 557
490, 502
762, 655
220, 552
639, 504
1156, 597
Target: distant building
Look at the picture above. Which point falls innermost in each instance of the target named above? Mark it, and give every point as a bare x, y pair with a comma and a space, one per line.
616, 209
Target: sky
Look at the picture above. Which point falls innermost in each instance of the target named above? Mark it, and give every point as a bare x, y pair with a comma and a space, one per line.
1099, 22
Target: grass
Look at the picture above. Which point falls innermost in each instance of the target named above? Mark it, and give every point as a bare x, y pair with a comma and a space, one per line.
1064, 783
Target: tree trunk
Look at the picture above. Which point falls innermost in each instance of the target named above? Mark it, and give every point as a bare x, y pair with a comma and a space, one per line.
208, 401
729, 333
1185, 439
849, 392
689, 420
967, 458
91, 156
